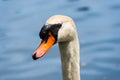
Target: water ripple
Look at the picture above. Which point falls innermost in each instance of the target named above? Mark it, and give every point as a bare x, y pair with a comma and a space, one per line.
114, 41
115, 7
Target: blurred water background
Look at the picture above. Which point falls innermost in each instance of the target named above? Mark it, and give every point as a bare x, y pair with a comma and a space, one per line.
98, 26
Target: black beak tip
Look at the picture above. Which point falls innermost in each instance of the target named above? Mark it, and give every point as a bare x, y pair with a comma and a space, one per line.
34, 56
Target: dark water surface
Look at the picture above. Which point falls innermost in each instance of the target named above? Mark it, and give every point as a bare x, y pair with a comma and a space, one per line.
98, 25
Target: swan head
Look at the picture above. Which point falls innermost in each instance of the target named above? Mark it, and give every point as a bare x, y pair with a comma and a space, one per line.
57, 28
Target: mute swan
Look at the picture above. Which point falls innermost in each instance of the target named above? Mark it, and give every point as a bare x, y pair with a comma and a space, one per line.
61, 29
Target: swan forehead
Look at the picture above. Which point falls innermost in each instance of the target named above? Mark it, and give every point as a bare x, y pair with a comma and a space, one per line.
58, 19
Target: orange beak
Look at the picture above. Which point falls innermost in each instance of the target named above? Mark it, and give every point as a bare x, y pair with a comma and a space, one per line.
43, 47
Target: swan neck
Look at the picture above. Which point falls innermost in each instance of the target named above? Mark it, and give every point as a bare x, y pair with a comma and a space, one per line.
70, 59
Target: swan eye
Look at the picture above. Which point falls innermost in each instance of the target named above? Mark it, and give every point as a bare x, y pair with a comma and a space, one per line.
53, 28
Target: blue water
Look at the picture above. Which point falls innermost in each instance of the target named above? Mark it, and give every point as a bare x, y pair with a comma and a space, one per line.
98, 26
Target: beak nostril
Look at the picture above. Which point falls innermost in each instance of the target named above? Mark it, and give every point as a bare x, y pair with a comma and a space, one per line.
34, 56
